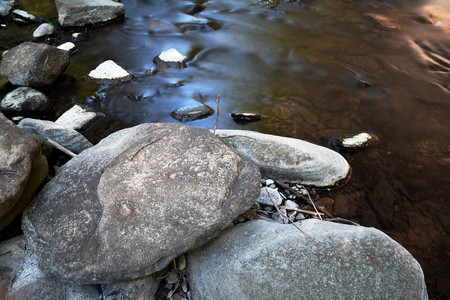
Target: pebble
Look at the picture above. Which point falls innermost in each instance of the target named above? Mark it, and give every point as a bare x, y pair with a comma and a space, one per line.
69, 46
290, 203
172, 277
269, 182
268, 194
43, 30
300, 217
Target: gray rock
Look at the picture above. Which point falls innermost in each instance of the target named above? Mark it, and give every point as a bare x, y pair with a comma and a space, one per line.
25, 101
67, 137
109, 71
81, 12
323, 260
34, 65
170, 59
288, 159
77, 118
5, 7
23, 16
19, 154
290, 203
21, 278
188, 114
267, 195
128, 206
139, 289
44, 30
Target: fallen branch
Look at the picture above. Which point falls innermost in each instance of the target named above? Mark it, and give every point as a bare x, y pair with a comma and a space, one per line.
61, 148
302, 210
276, 207
342, 220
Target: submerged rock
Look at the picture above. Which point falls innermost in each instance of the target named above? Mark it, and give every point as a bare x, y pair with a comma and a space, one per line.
23, 16
67, 137
188, 114
75, 13
353, 143
288, 159
109, 71
142, 197
245, 117
6, 7
32, 64
315, 260
25, 101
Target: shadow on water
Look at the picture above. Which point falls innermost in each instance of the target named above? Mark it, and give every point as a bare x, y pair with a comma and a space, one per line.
314, 70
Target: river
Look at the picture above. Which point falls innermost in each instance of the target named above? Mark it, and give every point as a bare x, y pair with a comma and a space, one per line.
314, 70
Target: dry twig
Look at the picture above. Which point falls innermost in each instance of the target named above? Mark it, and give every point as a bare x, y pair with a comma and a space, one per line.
61, 148
217, 101
302, 210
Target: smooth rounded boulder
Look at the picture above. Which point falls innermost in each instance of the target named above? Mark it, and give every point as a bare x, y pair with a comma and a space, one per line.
34, 65
126, 207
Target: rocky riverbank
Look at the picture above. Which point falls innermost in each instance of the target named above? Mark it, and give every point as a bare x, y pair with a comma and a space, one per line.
168, 209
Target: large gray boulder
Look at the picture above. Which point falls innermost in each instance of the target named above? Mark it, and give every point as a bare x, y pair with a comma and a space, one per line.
83, 12
25, 101
19, 154
317, 260
32, 64
21, 278
67, 137
126, 207
288, 159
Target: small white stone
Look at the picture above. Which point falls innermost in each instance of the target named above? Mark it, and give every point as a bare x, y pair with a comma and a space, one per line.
357, 140
171, 55
108, 70
69, 46
76, 118
76, 35
43, 30
23, 14
269, 181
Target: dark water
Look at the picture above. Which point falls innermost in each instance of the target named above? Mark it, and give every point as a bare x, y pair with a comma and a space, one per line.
302, 65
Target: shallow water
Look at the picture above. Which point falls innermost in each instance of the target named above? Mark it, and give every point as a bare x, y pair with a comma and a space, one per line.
303, 66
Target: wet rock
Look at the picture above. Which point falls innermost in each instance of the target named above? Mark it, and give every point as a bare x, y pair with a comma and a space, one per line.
157, 27
245, 117
76, 13
170, 59
109, 71
23, 16
69, 47
265, 260
25, 101
288, 159
353, 143
78, 118
142, 288
21, 278
44, 30
64, 136
34, 65
267, 195
19, 155
6, 7
142, 197
188, 114
440, 14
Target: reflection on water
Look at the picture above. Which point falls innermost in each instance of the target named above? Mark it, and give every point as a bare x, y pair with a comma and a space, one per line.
313, 70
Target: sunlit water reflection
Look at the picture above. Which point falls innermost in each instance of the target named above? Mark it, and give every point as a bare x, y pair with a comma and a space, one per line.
305, 67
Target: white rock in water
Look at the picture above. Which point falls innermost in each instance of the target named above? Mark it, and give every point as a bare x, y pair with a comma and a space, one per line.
356, 141
171, 55
76, 35
77, 118
109, 70
43, 30
69, 46
23, 14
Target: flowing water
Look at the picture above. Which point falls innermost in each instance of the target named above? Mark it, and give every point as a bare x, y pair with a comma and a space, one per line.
314, 70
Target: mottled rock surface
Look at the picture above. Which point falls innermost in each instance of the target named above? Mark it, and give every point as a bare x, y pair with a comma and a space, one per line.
25, 101
318, 260
75, 13
128, 206
19, 154
32, 64
288, 159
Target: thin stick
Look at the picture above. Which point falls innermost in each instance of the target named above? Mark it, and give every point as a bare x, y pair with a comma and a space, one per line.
217, 115
312, 202
302, 210
342, 220
276, 207
61, 148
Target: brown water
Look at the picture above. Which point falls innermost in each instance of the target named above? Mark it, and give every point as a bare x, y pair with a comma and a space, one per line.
301, 66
